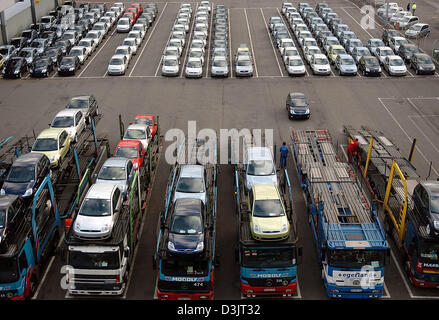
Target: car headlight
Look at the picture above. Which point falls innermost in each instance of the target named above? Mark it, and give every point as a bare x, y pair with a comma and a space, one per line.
105, 228
367, 70
379, 69
16, 71
28, 192
77, 227
256, 228
284, 228
200, 246
171, 246
420, 67
44, 70
72, 68
2, 192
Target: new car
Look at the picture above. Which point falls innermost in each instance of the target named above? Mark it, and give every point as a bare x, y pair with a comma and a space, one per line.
118, 65
132, 43
382, 52
244, 66
72, 120
407, 50
329, 41
63, 45
408, 21
170, 66
369, 65
422, 64
334, 51
8, 51
87, 104
290, 52
124, 25
88, 44
15, 67
69, 65
191, 183
29, 54
26, 175
418, 30
139, 132
196, 53
80, 52
394, 65
268, 220
320, 65
373, 44
309, 51
396, 42
220, 67
346, 65
41, 67
148, 120
358, 52
54, 143
389, 33
124, 51
95, 35
295, 66
118, 171
194, 68
98, 212
131, 149
351, 44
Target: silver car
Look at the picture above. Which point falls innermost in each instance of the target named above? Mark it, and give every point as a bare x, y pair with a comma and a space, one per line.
118, 171
244, 67
220, 67
194, 68
171, 66
345, 65
191, 183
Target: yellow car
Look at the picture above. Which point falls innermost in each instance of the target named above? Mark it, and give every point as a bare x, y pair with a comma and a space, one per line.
334, 51
268, 219
54, 143
2, 61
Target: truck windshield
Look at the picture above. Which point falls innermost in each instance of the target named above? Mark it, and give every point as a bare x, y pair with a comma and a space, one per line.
430, 251
8, 270
268, 258
356, 258
185, 268
102, 260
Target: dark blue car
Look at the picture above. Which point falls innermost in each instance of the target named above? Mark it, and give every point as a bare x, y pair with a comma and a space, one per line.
26, 174
186, 233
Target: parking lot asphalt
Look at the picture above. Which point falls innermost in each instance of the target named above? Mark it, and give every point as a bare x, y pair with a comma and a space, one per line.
403, 108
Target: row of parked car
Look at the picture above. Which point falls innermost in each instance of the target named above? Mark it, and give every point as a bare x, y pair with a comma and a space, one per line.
139, 23
65, 45
219, 66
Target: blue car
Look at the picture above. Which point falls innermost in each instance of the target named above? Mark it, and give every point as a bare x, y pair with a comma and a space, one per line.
26, 174
186, 233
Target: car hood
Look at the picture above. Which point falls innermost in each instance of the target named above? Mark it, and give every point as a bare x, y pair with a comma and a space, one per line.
254, 180
66, 66
244, 68
219, 69
120, 183
270, 224
11, 70
428, 66
170, 68
39, 69
17, 188
91, 223
185, 243
398, 68
194, 70
348, 67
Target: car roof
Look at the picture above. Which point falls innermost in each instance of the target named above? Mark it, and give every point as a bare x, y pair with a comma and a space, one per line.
50, 133
101, 191
67, 113
265, 192
118, 56
116, 162
319, 55
137, 126
394, 57
192, 170
259, 153
187, 206
128, 143
344, 56
29, 158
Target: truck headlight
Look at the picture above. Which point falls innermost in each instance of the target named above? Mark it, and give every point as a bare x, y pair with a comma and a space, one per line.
28, 192
200, 246
171, 246
2, 192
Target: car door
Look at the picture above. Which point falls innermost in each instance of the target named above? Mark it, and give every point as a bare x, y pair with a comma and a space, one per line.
116, 203
130, 173
418, 199
79, 123
63, 144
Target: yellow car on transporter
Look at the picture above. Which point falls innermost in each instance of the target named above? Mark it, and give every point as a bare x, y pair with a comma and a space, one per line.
2, 61
268, 219
54, 143
334, 51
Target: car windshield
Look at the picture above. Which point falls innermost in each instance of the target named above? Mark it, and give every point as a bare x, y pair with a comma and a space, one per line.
60, 44
411, 49
78, 103
190, 185
244, 63
51, 53
416, 27
400, 41
170, 63
194, 64
295, 62
45, 144
190, 224
121, 51
406, 19
84, 44
126, 152
21, 174
68, 36
356, 258
123, 22
195, 54
313, 51
95, 207
116, 62
371, 61
347, 61
396, 62
76, 52
101, 260
377, 43
321, 61
112, 173
92, 36
331, 42
67, 61
219, 63
8, 270
40, 63
135, 134
268, 208
63, 122
171, 52
425, 60
434, 204
4, 51
362, 52
260, 168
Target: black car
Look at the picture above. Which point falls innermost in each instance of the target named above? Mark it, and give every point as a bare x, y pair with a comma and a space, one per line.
14, 67
55, 54
69, 65
186, 231
26, 175
41, 67
422, 64
297, 106
50, 36
369, 65
12, 211
389, 33
30, 36
406, 51
64, 45
18, 42
426, 201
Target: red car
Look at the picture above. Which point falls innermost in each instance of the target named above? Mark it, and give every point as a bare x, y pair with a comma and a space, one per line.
149, 120
138, 6
131, 16
135, 11
132, 149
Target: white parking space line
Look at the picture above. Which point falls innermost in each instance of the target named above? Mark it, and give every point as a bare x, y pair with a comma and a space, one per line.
191, 31
230, 43
271, 42
97, 53
147, 40
407, 135
209, 39
251, 43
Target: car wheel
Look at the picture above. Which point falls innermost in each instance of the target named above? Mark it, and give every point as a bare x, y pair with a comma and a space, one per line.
417, 71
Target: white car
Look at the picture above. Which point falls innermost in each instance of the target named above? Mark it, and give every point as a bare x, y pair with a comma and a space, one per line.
116, 11
136, 35
285, 6
95, 34
170, 66
182, 24
408, 21
141, 28
71, 120
308, 42
176, 43
309, 51
140, 132
199, 35
124, 50
132, 43
88, 44
80, 52
172, 52
123, 25
290, 52
396, 42
203, 27
395, 66
382, 52
320, 65
118, 65
299, 28
197, 44
101, 26
285, 43
194, 68
179, 35
295, 66
205, 4
112, 17
196, 53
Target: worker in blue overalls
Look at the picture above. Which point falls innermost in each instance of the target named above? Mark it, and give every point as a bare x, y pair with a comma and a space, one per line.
283, 155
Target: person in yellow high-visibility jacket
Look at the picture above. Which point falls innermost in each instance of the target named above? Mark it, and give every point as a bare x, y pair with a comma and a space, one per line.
413, 8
